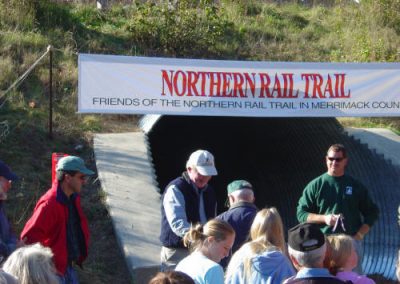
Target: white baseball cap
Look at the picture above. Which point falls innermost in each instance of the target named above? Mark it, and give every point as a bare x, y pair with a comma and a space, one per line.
203, 161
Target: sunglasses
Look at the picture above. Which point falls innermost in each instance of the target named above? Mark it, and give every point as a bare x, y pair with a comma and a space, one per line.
83, 178
335, 159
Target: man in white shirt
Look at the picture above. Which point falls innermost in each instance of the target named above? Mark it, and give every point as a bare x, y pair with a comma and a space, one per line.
187, 200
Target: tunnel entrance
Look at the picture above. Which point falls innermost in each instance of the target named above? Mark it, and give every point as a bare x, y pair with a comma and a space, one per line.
279, 156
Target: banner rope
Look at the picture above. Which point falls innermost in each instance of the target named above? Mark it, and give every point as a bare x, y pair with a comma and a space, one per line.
4, 126
22, 77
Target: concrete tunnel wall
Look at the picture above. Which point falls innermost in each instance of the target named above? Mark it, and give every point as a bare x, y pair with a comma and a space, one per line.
279, 156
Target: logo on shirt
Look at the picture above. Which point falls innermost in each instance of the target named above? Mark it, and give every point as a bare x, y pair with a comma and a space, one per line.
349, 190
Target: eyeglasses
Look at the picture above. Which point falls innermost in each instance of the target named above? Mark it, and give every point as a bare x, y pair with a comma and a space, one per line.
335, 159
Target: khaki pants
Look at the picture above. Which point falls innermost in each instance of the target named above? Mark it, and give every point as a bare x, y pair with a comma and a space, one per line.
170, 257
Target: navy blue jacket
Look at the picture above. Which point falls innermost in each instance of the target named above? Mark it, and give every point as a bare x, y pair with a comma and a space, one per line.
167, 237
240, 216
8, 240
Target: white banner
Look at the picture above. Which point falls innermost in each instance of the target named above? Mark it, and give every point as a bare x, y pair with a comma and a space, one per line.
145, 85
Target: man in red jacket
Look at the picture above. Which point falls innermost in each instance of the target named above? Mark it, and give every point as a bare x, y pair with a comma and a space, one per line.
58, 221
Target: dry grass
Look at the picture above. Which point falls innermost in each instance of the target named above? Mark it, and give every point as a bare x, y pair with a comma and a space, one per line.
247, 30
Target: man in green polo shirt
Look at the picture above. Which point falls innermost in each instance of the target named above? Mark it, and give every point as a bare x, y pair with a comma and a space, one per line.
336, 201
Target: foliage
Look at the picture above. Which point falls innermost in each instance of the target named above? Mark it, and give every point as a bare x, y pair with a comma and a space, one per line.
377, 122
340, 31
17, 15
179, 30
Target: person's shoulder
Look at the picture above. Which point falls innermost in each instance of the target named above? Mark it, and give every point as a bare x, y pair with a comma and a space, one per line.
245, 251
207, 263
204, 263
48, 200
272, 253
214, 271
315, 280
174, 181
48, 197
228, 213
272, 259
7, 278
223, 216
362, 279
239, 214
316, 181
179, 183
290, 280
354, 277
175, 185
320, 178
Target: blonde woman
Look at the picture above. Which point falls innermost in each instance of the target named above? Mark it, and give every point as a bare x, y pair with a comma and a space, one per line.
263, 259
208, 245
342, 259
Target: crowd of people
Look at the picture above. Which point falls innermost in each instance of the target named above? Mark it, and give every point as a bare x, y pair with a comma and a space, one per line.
55, 238
247, 245
241, 245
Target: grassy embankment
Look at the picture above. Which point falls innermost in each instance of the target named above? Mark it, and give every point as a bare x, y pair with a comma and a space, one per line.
237, 30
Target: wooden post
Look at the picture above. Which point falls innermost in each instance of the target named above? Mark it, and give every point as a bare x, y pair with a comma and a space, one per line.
50, 49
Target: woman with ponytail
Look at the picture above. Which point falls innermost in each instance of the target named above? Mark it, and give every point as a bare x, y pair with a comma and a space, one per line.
208, 245
342, 259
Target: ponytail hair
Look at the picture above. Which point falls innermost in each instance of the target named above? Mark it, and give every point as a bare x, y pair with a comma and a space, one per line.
218, 229
341, 247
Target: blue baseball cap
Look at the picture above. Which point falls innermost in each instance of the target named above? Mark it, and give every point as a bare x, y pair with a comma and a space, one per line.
6, 172
73, 163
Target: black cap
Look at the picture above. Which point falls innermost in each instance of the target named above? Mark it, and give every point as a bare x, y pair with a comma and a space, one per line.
305, 237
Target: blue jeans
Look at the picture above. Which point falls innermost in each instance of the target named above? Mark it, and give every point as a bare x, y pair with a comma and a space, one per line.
70, 276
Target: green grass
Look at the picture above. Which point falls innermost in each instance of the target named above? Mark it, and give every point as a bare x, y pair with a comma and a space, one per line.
375, 122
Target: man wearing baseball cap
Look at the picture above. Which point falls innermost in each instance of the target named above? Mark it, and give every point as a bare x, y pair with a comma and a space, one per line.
187, 200
58, 221
8, 240
241, 213
307, 249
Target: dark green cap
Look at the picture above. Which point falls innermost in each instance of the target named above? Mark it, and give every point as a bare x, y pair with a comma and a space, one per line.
239, 185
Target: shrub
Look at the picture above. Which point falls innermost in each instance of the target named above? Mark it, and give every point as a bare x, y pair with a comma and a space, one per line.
17, 15
176, 30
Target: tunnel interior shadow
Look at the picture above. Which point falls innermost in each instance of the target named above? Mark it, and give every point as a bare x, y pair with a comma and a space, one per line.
279, 156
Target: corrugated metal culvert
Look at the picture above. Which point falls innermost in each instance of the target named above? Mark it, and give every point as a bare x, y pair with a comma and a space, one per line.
279, 156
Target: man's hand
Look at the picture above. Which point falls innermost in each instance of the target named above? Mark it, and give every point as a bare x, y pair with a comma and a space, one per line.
364, 229
358, 236
331, 219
